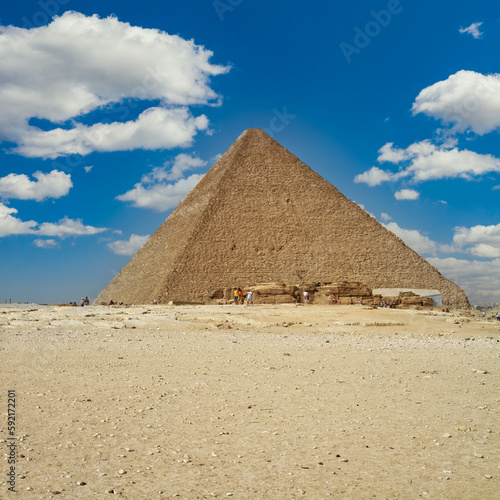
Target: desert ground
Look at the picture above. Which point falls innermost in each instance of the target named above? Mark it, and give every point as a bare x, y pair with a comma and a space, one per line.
279, 402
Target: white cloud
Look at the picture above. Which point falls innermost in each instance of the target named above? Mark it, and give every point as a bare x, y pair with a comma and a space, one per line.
157, 193
406, 194
449, 249
155, 128
385, 217
477, 234
173, 171
12, 225
427, 161
68, 227
9, 225
453, 163
160, 197
88, 168
485, 251
130, 246
480, 241
479, 279
413, 238
466, 100
374, 176
388, 153
52, 185
46, 243
78, 64
473, 30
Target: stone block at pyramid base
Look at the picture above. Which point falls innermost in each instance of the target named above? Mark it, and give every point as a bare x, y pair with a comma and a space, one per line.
260, 215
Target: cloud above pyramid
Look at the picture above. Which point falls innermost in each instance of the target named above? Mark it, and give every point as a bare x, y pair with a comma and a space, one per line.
53, 77
466, 102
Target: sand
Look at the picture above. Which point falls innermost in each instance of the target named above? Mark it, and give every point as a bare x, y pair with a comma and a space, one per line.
281, 402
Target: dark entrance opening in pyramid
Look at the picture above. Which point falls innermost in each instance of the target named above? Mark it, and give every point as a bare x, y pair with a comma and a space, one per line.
260, 215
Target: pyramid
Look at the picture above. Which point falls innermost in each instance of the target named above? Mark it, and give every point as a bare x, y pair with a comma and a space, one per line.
260, 215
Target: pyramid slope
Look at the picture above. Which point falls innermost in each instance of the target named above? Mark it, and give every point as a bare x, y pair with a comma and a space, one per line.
261, 215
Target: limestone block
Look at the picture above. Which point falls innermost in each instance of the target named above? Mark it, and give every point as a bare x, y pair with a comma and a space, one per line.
269, 289
307, 287
327, 290
284, 299
321, 299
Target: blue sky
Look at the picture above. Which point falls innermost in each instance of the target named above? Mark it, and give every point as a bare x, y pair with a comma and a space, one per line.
111, 111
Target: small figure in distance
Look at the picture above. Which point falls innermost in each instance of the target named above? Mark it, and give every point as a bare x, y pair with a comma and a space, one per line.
154, 301
240, 296
306, 297
111, 303
249, 297
82, 302
334, 298
236, 296
87, 301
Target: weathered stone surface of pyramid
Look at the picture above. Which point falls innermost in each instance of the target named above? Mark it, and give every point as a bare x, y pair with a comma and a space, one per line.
260, 215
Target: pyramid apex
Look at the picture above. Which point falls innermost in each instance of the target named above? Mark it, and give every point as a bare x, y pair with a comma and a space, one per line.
257, 132
251, 137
